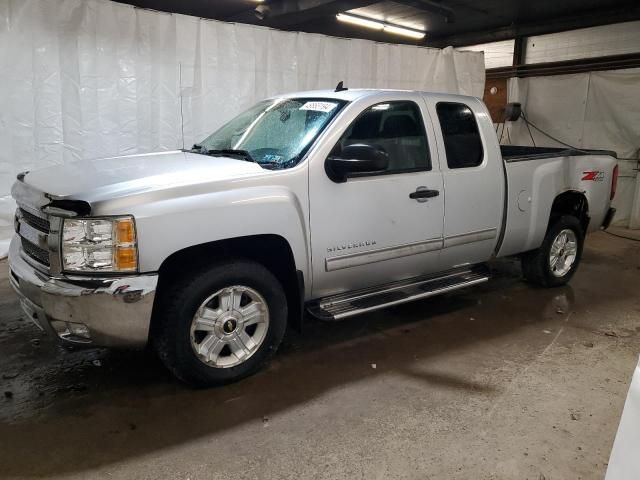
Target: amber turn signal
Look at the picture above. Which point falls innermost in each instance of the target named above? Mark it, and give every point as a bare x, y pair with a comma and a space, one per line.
126, 258
125, 231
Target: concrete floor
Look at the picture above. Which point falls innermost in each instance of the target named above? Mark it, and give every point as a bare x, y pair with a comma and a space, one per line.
504, 381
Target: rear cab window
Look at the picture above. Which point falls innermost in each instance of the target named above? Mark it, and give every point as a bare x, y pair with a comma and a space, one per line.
461, 135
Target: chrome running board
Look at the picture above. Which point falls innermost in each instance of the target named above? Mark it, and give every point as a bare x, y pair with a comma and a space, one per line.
344, 305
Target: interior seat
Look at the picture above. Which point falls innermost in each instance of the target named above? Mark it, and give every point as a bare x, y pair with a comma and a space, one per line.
403, 140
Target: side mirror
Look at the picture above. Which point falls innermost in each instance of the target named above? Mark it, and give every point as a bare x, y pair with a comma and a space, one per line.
359, 158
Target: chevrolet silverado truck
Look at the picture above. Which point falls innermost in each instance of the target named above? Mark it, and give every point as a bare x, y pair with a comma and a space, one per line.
329, 203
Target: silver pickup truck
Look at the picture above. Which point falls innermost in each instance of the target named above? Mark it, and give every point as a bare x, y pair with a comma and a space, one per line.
333, 203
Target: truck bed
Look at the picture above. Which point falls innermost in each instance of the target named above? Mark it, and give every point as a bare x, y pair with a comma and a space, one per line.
532, 187
518, 153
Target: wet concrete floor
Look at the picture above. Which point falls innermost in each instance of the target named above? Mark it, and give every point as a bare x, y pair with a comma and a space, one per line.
504, 381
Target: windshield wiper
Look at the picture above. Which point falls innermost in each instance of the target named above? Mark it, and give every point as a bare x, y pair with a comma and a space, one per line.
243, 154
230, 151
271, 165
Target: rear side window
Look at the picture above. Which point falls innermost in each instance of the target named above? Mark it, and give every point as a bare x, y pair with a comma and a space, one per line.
461, 136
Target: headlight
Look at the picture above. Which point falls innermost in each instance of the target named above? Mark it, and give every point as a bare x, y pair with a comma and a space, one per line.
99, 245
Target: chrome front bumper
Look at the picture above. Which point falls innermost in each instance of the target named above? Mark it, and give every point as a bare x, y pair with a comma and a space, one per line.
105, 311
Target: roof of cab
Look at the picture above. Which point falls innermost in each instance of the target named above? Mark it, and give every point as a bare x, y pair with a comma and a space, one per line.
356, 93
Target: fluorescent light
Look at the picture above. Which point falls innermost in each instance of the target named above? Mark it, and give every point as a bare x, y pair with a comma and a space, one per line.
363, 22
380, 25
407, 32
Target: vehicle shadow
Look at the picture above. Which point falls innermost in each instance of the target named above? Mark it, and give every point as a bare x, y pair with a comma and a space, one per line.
125, 405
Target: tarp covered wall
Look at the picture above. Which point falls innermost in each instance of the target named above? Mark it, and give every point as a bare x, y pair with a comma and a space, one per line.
598, 110
93, 78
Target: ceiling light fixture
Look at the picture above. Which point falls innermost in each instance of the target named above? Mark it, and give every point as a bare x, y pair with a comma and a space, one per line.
360, 21
380, 25
407, 32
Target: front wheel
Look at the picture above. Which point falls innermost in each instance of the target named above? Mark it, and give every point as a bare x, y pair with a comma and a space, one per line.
557, 259
221, 324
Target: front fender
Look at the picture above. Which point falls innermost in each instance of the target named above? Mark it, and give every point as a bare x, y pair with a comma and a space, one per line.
167, 226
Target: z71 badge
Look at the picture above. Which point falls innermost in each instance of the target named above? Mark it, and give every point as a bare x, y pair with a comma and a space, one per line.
593, 176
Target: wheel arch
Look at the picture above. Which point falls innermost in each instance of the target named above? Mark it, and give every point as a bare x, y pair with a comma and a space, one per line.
570, 202
270, 250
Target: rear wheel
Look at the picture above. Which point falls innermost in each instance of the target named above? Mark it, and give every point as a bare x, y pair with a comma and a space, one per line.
221, 324
557, 259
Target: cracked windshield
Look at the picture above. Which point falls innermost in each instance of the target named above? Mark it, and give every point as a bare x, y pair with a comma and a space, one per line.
274, 133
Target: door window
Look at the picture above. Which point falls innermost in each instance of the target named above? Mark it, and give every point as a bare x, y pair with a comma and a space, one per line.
461, 136
397, 127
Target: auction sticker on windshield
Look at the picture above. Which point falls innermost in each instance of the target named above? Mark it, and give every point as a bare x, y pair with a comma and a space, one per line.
319, 106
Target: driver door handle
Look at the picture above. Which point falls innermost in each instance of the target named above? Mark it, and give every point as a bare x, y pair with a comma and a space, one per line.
422, 193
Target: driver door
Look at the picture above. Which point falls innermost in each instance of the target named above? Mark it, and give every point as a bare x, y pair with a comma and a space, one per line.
369, 230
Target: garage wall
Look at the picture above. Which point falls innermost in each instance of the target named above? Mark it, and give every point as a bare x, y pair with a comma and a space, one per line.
93, 78
588, 110
600, 41
496, 54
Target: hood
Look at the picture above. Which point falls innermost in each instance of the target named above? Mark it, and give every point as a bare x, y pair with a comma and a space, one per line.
93, 180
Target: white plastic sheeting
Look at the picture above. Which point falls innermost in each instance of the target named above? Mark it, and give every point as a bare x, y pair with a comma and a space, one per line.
588, 110
624, 463
93, 78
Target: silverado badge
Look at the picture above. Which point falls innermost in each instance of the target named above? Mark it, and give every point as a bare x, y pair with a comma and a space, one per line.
349, 246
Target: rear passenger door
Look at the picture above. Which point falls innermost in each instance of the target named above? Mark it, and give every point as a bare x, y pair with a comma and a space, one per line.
473, 180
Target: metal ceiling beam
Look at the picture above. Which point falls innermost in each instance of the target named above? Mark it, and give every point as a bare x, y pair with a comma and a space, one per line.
519, 50
431, 7
562, 24
286, 13
611, 62
278, 8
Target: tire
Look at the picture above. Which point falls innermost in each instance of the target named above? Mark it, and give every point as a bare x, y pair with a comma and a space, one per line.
537, 264
205, 307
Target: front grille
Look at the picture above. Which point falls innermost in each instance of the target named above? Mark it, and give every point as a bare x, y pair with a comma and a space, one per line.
33, 225
36, 222
35, 252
